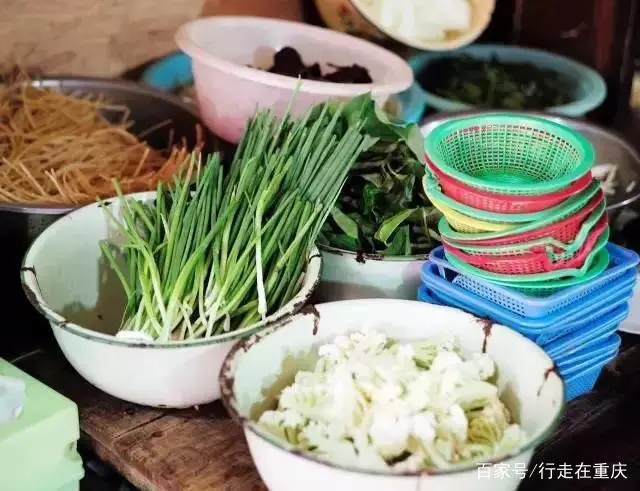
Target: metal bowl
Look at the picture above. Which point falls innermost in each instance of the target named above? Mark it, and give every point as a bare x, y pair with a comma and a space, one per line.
610, 148
21, 223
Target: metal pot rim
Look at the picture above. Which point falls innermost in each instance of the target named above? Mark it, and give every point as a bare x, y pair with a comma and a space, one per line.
94, 84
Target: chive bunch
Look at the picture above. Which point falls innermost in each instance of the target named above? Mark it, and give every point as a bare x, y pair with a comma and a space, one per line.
220, 250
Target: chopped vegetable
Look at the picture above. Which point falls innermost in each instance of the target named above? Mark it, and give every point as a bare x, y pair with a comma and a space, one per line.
495, 84
419, 20
606, 174
232, 250
383, 208
374, 403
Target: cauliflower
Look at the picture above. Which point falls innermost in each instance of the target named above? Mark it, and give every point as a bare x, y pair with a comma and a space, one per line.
375, 403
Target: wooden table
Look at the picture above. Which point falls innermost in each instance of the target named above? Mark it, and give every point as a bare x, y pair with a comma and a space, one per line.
202, 449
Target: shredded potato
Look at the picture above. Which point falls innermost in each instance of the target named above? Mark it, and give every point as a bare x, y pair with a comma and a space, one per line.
60, 149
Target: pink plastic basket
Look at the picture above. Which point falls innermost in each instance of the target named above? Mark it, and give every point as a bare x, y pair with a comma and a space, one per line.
564, 230
533, 262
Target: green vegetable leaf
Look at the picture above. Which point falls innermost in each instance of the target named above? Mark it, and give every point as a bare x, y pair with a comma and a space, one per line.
415, 142
380, 124
375, 179
391, 224
346, 224
382, 198
369, 196
342, 241
401, 243
367, 227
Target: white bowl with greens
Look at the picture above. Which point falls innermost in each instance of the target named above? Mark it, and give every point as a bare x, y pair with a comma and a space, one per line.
67, 279
348, 275
391, 394
382, 228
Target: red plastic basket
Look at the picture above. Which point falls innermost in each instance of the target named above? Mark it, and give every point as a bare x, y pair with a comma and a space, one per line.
534, 262
564, 230
501, 203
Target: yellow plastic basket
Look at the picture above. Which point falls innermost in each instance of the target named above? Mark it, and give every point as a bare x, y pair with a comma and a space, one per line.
464, 223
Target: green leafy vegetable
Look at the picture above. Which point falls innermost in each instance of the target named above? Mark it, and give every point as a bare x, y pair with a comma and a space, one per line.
383, 208
390, 225
495, 84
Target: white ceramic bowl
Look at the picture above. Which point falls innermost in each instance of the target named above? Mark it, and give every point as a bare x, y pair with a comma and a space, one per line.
348, 276
66, 280
529, 386
229, 90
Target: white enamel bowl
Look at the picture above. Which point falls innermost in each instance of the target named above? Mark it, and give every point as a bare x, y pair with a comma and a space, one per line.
260, 366
348, 276
66, 280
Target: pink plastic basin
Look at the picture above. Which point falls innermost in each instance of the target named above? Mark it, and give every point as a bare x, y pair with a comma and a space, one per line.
229, 90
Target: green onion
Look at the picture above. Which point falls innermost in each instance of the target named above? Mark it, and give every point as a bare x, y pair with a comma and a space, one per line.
222, 249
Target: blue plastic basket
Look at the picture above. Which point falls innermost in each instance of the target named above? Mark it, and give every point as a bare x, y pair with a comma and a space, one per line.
541, 336
581, 378
579, 368
541, 330
589, 336
590, 89
424, 295
608, 347
582, 382
621, 261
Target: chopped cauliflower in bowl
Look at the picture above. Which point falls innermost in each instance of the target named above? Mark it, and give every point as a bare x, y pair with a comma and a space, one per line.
390, 394
374, 403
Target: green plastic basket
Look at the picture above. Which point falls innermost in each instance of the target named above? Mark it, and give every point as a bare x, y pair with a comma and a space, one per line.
573, 205
524, 280
509, 153
432, 190
544, 289
549, 243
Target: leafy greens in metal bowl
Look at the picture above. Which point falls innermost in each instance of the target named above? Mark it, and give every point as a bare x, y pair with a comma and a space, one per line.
382, 209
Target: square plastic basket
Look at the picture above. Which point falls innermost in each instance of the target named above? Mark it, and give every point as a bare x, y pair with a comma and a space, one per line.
541, 330
592, 334
621, 261
582, 382
605, 348
581, 378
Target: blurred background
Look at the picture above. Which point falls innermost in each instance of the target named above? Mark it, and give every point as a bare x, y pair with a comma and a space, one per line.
117, 37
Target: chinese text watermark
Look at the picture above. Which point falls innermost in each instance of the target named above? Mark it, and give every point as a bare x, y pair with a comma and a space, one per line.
545, 470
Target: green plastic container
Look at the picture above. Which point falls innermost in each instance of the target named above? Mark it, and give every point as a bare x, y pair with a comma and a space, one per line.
588, 93
511, 154
38, 449
572, 208
551, 279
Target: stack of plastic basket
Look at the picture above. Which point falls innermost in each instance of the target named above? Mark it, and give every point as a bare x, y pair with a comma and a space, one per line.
525, 238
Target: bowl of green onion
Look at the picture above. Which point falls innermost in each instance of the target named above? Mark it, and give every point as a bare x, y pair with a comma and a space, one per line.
152, 331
